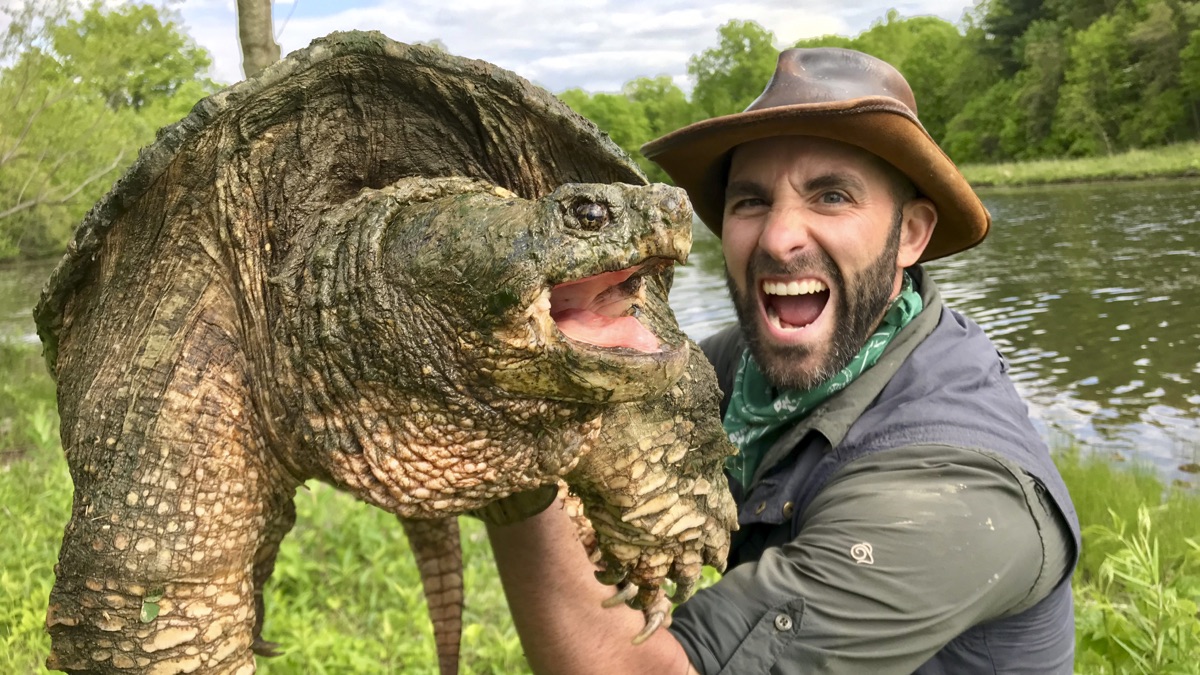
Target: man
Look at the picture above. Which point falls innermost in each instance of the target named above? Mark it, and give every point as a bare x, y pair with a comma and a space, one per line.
898, 512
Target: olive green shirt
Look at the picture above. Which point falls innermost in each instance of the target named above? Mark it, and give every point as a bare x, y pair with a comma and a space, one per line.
901, 551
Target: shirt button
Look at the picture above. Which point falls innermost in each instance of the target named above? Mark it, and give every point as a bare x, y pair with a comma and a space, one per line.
760, 508
783, 623
788, 508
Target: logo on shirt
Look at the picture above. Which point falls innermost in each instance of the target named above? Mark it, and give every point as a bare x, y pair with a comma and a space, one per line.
862, 554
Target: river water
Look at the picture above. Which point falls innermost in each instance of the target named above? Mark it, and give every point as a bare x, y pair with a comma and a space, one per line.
1090, 290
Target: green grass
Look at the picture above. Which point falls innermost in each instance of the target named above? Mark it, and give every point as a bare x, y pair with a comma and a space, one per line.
346, 597
1181, 159
1138, 581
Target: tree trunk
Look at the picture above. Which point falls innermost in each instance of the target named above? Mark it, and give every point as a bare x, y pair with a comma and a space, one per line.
256, 36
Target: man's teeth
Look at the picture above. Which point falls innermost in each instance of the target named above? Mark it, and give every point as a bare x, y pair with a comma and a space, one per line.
793, 287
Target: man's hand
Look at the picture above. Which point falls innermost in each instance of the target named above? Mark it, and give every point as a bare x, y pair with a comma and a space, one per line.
517, 507
558, 605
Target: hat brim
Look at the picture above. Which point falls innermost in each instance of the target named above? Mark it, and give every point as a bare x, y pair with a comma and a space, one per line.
695, 157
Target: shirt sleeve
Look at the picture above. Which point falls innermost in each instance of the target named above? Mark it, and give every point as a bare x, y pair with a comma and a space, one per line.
901, 552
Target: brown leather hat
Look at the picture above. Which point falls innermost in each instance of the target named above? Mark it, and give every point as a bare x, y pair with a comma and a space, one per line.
832, 93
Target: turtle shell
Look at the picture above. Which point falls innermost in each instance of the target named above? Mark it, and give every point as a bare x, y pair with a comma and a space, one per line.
354, 110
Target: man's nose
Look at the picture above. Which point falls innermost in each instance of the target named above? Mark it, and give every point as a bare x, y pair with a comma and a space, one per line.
785, 232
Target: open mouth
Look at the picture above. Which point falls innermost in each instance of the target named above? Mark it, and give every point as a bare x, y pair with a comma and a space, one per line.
794, 305
602, 310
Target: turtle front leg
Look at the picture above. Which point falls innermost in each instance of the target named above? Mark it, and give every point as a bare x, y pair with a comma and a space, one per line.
137, 592
173, 528
654, 490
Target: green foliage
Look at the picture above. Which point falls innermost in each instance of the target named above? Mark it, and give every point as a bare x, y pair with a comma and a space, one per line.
622, 118
731, 75
131, 54
1136, 592
1140, 616
933, 56
35, 501
645, 109
86, 91
346, 595
664, 104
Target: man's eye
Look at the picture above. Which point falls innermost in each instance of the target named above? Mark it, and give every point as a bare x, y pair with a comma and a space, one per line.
833, 198
746, 203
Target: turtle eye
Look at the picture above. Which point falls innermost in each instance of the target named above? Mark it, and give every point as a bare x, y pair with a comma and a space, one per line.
592, 215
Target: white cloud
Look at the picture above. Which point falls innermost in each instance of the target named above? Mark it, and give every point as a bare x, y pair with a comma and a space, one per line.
595, 44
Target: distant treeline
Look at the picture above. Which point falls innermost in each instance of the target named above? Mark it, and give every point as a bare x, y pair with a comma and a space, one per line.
82, 92
1015, 80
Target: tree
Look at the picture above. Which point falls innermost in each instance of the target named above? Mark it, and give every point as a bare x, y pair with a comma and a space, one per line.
931, 54
84, 91
973, 135
130, 54
622, 118
1096, 87
1003, 23
665, 105
731, 75
256, 36
1028, 129
1157, 40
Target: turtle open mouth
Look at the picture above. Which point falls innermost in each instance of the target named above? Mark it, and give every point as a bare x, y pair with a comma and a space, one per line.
602, 310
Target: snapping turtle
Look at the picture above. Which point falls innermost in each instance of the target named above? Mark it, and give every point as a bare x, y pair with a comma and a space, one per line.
410, 275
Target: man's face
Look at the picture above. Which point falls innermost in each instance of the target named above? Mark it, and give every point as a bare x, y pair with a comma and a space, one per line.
814, 244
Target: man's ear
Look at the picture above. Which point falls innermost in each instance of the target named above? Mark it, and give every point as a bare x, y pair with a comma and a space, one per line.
916, 227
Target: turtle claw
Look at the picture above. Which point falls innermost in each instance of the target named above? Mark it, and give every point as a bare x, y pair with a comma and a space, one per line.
654, 621
621, 597
262, 647
683, 590
658, 615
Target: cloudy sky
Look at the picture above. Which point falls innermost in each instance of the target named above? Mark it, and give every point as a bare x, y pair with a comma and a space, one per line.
597, 45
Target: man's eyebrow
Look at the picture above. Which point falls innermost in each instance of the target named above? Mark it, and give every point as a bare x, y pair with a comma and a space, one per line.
838, 181
743, 188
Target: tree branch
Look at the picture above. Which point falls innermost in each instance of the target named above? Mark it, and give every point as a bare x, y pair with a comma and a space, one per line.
44, 199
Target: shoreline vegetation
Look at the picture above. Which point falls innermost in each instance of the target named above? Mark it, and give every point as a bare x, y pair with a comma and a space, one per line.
1010, 82
1177, 161
1180, 160
346, 597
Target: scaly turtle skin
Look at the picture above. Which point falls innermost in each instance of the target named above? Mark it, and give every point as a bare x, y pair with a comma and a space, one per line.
403, 273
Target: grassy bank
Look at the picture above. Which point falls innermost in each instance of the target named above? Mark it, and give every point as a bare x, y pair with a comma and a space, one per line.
345, 596
1172, 161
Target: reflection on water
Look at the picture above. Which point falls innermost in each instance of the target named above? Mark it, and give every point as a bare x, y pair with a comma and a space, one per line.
1090, 291
20, 285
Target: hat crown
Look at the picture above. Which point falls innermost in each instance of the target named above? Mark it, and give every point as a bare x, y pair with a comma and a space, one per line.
830, 74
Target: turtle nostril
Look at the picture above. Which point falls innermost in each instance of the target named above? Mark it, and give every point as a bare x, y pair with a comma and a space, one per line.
674, 205
591, 215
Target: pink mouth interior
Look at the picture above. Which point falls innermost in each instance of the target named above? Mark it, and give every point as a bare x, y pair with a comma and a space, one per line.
595, 310
798, 310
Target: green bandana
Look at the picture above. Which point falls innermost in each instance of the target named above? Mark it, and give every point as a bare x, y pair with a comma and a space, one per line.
754, 421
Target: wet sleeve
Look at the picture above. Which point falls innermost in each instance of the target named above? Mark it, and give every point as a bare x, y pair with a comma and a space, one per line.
900, 553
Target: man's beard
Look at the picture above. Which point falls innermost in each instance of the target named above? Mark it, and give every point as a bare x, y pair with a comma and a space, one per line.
864, 300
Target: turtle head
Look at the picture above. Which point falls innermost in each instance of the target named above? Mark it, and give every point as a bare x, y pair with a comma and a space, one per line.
563, 297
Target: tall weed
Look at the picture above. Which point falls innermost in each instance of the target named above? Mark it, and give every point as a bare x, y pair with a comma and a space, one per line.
1140, 614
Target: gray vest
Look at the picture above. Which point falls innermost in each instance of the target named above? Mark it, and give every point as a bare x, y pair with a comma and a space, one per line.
954, 391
